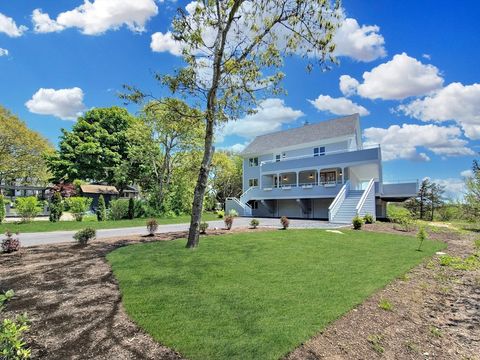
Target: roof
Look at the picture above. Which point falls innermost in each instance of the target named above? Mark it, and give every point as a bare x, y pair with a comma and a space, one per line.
347, 125
99, 189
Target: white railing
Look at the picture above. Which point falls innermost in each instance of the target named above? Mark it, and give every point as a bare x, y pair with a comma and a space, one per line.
319, 155
337, 202
247, 191
310, 184
247, 209
366, 193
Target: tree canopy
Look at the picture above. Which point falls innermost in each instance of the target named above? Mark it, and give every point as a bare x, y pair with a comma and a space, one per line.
94, 148
22, 150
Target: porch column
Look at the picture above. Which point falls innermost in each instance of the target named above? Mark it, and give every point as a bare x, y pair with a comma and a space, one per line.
343, 175
279, 179
317, 177
297, 178
260, 181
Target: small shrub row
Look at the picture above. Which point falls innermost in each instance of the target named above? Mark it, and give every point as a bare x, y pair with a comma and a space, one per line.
85, 235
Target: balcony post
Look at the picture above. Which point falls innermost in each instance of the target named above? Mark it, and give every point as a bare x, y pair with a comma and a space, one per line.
279, 179
343, 175
297, 178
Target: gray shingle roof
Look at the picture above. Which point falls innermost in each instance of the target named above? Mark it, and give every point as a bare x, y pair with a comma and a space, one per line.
346, 125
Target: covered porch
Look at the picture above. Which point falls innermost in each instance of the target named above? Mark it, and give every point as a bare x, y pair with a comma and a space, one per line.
326, 177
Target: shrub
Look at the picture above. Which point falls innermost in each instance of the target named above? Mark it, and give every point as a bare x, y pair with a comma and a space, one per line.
85, 235
131, 208
228, 221
357, 222
401, 217
285, 222
254, 223
220, 214
368, 219
421, 236
2, 209
11, 243
101, 209
78, 206
203, 227
118, 209
6, 296
27, 208
385, 305
233, 213
152, 226
56, 207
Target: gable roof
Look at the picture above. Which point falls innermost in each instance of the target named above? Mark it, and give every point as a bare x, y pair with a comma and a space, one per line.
347, 125
99, 189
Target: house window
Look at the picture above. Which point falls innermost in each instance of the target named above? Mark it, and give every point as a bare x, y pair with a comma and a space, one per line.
253, 161
277, 158
254, 204
328, 177
253, 182
319, 151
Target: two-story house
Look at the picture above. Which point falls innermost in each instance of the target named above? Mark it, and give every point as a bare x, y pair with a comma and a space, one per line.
317, 171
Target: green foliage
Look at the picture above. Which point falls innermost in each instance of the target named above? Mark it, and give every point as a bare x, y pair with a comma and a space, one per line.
375, 342
203, 227
11, 243
435, 331
429, 198
131, 208
94, 148
152, 226
226, 174
357, 222
254, 223
101, 209
78, 206
285, 222
6, 296
27, 208
386, 305
3, 212
421, 236
233, 213
472, 262
472, 195
368, 219
401, 217
56, 207
118, 209
85, 235
477, 244
228, 221
220, 214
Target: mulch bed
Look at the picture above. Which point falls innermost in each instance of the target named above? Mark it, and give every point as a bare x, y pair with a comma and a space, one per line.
75, 307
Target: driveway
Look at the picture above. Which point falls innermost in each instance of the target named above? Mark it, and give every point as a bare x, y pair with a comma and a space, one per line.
55, 237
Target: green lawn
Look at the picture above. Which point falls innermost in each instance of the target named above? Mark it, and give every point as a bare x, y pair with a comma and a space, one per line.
91, 221
256, 295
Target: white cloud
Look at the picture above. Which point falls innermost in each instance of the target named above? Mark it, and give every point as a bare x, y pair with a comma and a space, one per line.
270, 116
362, 43
399, 78
9, 27
66, 104
3, 52
403, 142
467, 173
454, 187
98, 16
426, 56
348, 85
338, 106
457, 102
165, 43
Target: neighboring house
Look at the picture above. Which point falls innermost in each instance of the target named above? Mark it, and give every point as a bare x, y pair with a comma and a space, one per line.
22, 188
317, 171
94, 191
130, 192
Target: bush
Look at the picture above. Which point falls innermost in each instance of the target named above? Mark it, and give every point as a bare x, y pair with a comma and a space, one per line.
357, 222
368, 219
233, 213
11, 243
401, 217
228, 221
27, 208
203, 227
78, 206
285, 222
254, 223
421, 236
118, 209
131, 208
152, 226
56, 207
220, 214
101, 209
2, 209
85, 235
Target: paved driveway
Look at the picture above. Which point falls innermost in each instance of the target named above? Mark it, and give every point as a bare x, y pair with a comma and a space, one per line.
54, 237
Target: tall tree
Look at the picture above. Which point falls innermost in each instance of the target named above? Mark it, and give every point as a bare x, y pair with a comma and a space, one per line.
226, 175
233, 52
472, 195
22, 151
430, 197
437, 198
94, 148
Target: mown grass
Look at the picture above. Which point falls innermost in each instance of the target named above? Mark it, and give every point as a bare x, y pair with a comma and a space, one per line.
256, 295
91, 221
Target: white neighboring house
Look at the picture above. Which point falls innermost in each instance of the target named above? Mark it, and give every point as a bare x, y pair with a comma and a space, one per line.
317, 171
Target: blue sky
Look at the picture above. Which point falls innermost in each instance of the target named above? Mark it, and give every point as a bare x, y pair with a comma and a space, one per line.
410, 67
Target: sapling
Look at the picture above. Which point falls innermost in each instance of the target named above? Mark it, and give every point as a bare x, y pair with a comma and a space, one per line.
421, 236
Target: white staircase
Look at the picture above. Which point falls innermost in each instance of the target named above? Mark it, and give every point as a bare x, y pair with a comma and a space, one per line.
347, 210
243, 209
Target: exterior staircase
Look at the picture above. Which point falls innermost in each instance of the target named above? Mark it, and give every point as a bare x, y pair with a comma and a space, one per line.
347, 210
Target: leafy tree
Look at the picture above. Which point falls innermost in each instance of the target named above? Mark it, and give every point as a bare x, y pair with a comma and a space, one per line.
94, 148
472, 195
430, 197
78, 206
2, 209
226, 175
27, 207
233, 52
22, 151
101, 209
56, 207
131, 208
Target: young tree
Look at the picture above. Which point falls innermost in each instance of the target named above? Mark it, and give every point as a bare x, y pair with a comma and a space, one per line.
233, 51
226, 175
56, 207
437, 198
472, 195
101, 209
94, 148
2, 209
